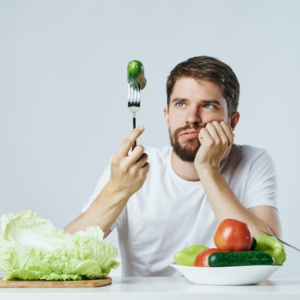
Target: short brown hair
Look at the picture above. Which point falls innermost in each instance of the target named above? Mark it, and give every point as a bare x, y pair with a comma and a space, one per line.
208, 68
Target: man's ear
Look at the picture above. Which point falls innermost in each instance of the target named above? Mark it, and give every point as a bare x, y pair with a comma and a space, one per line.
234, 119
166, 113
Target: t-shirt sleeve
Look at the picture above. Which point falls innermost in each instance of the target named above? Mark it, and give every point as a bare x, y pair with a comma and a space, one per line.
100, 185
261, 186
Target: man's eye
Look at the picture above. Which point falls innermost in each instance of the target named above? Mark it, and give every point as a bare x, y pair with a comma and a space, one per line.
180, 104
208, 105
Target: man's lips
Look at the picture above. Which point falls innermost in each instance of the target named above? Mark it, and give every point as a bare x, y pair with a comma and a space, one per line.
190, 134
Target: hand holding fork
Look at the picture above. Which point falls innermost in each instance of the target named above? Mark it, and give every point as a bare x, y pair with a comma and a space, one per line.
136, 81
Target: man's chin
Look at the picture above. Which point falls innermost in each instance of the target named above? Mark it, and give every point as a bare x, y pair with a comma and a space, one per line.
187, 151
190, 143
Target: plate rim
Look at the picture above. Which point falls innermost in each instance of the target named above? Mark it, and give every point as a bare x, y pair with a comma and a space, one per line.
272, 266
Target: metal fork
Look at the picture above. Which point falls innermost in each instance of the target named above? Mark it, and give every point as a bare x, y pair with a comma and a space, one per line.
134, 102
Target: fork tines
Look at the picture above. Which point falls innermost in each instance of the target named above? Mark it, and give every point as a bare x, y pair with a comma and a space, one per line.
134, 101
134, 98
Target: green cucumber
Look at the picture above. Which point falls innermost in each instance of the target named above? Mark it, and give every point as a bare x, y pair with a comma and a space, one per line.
240, 258
135, 74
254, 243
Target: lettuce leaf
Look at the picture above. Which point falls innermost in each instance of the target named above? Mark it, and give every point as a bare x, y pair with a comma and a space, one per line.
31, 248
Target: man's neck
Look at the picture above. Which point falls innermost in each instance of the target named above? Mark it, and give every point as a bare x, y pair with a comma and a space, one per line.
185, 170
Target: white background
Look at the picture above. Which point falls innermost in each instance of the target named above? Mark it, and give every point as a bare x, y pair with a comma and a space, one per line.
63, 106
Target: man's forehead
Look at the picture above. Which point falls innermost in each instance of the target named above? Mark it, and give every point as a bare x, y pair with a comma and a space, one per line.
190, 88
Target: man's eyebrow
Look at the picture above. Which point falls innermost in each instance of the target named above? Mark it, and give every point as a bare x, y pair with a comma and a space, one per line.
204, 101
212, 101
178, 99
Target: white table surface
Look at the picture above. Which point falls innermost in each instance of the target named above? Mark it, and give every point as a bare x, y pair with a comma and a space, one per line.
144, 288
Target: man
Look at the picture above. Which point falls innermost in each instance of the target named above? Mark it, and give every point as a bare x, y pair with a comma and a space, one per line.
202, 179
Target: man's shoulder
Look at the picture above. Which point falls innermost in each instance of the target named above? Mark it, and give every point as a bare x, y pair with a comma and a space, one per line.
247, 152
244, 160
246, 155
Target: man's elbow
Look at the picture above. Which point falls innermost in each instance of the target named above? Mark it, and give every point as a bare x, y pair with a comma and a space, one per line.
73, 226
107, 234
69, 229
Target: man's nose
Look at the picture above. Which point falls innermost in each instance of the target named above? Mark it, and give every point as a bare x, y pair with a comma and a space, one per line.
193, 115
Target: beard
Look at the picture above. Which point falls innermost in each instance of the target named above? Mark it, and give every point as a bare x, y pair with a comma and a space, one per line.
188, 149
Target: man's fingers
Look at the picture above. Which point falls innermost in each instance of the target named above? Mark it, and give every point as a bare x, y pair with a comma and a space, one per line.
213, 133
135, 155
228, 132
145, 168
223, 135
129, 141
141, 161
204, 135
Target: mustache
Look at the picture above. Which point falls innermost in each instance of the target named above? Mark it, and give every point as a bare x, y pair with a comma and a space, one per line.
188, 126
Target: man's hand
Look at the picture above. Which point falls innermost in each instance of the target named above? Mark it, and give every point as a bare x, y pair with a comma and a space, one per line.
129, 172
216, 140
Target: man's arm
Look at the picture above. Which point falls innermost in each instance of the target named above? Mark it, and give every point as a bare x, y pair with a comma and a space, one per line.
128, 174
270, 215
216, 140
103, 212
72, 230
226, 206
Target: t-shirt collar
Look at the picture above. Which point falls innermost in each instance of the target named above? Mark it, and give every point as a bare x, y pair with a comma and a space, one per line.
186, 182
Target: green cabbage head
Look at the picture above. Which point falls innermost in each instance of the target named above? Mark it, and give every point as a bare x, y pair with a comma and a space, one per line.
31, 248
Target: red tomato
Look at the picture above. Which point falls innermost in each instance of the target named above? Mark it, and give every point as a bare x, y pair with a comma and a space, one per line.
202, 258
233, 235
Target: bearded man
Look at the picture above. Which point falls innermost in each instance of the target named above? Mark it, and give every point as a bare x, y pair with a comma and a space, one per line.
200, 180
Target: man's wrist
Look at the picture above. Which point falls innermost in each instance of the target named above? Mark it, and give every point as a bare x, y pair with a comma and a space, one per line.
205, 170
117, 194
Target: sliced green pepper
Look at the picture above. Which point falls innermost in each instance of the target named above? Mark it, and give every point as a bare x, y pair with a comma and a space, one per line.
187, 256
272, 246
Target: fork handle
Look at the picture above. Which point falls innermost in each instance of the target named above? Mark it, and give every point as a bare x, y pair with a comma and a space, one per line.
134, 126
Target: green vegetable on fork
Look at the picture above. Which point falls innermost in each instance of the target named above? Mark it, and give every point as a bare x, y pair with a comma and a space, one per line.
136, 82
135, 73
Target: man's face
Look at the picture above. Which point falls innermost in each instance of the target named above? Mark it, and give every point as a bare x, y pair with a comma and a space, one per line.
193, 104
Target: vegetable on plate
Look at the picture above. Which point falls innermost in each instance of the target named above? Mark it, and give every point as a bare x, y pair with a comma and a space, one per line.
233, 235
235, 247
31, 248
239, 258
187, 256
272, 246
254, 243
202, 258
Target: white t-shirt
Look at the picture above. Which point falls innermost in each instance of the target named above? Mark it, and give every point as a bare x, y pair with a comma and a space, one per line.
169, 213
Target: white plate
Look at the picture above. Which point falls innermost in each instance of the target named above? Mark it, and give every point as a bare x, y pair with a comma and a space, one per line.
227, 275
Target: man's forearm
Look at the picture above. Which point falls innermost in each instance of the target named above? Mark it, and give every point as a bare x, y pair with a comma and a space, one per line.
103, 211
225, 204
